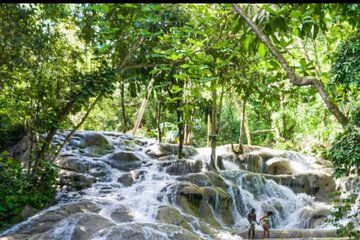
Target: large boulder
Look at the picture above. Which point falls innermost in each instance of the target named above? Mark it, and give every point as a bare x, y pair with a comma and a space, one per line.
170, 215
251, 162
79, 226
315, 184
82, 165
163, 149
94, 144
127, 179
184, 166
46, 220
124, 160
276, 166
74, 180
314, 217
204, 196
122, 214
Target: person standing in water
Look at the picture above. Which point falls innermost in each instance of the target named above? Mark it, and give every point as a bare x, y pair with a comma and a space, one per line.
252, 220
265, 220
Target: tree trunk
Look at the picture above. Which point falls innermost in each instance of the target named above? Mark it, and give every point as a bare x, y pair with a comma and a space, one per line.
142, 108
209, 127
180, 120
188, 129
40, 155
294, 79
123, 106
213, 164
220, 108
76, 127
158, 120
246, 126
241, 126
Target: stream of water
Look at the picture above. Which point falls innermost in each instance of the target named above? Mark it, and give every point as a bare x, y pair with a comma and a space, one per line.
150, 191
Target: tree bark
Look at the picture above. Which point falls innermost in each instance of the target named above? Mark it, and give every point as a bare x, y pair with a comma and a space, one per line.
303, 50
241, 125
123, 106
142, 108
246, 126
76, 127
213, 163
209, 127
180, 115
158, 120
220, 109
52, 131
294, 79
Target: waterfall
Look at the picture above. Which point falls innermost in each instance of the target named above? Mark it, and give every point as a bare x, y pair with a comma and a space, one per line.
150, 193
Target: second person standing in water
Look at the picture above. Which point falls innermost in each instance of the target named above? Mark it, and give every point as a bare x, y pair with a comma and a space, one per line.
265, 220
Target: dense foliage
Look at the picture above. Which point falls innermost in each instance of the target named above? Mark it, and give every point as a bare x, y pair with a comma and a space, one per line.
19, 189
193, 74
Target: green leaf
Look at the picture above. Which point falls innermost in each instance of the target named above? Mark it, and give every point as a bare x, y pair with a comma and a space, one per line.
262, 49
295, 13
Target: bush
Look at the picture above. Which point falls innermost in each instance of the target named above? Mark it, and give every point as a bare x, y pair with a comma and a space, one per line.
345, 155
18, 188
345, 152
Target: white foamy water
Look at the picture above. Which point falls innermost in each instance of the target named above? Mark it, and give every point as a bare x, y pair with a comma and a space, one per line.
149, 192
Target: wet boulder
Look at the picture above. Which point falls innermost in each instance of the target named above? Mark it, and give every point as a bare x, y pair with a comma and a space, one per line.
122, 214
124, 160
163, 149
184, 166
47, 220
251, 162
315, 184
74, 180
170, 215
200, 179
79, 226
276, 166
94, 144
313, 217
204, 201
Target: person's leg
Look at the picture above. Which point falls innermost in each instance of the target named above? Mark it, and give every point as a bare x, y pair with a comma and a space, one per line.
249, 233
253, 233
264, 231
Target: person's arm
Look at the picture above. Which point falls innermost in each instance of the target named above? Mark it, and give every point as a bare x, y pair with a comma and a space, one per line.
261, 219
248, 218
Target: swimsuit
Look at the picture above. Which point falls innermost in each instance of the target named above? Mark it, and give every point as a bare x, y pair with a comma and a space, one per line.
252, 225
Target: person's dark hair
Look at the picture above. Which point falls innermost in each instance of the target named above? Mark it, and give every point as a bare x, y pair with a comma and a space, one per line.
252, 210
270, 213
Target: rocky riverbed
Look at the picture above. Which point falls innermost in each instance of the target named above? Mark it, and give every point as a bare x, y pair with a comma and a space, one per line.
116, 186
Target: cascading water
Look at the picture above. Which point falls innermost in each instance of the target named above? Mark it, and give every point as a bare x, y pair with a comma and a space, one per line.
152, 196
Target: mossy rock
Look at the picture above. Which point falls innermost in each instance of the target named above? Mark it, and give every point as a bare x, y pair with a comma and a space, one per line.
171, 215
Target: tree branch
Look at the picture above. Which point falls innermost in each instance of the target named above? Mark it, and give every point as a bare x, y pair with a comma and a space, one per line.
294, 79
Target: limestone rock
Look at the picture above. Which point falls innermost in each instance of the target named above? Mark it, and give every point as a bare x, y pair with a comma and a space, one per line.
313, 217
124, 160
163, 149
276, 166
79, 226
171, 215
75, 181
184, 166
45, 221
122, 214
